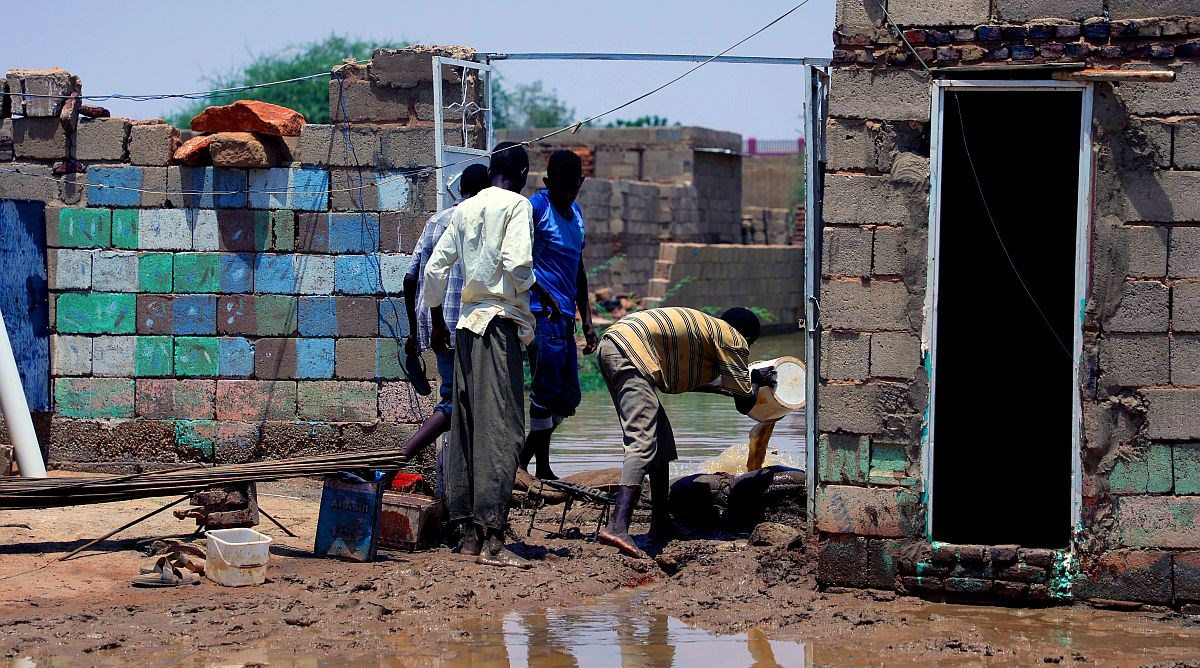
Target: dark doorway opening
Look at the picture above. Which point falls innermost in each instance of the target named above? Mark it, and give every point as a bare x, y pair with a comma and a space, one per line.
1002, 422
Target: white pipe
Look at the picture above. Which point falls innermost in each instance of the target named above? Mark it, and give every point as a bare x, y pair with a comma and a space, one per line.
16, 412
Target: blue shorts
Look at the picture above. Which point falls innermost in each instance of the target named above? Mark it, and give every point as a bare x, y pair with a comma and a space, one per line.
554, 366
445, 367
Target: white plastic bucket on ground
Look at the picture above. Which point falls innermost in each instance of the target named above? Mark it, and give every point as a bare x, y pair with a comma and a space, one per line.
788, 394
237, 557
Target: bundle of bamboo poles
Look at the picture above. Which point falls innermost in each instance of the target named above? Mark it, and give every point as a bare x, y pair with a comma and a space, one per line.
30, 493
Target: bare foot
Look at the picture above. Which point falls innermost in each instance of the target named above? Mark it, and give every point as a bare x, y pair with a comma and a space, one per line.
621, 541
471, 545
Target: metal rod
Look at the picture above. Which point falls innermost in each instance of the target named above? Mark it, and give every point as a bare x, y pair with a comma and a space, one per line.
123, 527
277, 523
16, 412
658, 57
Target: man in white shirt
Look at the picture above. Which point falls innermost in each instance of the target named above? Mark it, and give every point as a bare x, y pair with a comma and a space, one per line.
492, 235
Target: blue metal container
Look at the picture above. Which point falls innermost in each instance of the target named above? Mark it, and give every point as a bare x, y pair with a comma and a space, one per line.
348, 526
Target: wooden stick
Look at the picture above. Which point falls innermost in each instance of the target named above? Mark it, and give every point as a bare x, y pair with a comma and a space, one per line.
118, 530
277, 523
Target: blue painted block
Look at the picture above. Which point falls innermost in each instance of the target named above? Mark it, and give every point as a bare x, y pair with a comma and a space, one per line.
275, 274
353, 232
317, 316
237, 273
24, 296
195, 314
236, 357
314, 358
204, 182
394, 189
304, 189
105, 186
393, 319
357, 275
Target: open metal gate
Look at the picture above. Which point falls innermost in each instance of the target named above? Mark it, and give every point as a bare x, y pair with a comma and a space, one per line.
457, 150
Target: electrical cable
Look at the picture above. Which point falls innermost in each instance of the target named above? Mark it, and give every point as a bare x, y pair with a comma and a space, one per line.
408, 173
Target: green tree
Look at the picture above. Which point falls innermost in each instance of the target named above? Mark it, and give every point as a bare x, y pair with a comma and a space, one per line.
528, 106
310, 97
653, 121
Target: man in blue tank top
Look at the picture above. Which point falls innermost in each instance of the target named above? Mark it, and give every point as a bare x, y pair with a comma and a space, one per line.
558, 240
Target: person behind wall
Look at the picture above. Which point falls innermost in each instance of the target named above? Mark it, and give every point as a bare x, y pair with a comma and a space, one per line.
474, 178
671, 350
558, 241
491, 234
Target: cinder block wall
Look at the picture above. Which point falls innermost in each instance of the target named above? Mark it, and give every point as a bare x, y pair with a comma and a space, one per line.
1139, 540
233, 313
725, 275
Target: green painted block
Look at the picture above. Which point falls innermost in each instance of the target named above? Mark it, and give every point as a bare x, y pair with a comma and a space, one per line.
283, 229
1187, 468
275, 315
262, 230
843, 458
1148, 473
389, 359
888, 463
96, 313
154, 356
84, 228
197, 272
93, 397
200, 436
196, 355
125, 228
154, 272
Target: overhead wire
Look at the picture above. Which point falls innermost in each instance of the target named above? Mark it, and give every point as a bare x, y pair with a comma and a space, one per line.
416, 171
979, 187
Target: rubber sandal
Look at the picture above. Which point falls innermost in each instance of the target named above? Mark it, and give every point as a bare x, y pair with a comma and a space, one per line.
164, 574
414, 368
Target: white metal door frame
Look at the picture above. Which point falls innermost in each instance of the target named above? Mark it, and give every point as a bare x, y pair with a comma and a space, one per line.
816, 108
453, 159
1082, 267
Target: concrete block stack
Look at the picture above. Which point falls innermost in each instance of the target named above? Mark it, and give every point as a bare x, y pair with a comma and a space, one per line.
721, 276
232, 312
1137, 541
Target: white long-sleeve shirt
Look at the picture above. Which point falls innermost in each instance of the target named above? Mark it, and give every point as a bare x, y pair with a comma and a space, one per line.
492, 235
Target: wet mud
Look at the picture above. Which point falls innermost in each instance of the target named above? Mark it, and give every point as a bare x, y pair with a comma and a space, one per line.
744, 598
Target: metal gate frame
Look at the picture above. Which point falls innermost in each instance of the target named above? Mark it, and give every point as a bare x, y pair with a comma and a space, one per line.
1082, 269
816, 105
452, 159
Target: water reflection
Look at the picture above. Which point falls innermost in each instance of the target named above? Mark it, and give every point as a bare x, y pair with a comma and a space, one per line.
705, 425
610, 637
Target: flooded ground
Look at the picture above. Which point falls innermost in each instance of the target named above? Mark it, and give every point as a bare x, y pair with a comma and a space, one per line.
705, 425
705, 601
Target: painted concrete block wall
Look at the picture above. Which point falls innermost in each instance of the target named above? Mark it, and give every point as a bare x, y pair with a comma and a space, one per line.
1138, 537
201, 312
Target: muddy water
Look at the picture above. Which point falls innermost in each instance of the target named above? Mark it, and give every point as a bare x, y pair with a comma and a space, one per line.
704, 425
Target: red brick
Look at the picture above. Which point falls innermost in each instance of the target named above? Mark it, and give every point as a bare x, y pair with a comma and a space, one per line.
399, 231
338, 401
399, 402
256, 400
177, 399
194, 152
1010, 591
250, 116
862, 511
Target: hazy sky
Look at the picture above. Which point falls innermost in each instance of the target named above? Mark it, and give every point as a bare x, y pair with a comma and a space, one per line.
156, 46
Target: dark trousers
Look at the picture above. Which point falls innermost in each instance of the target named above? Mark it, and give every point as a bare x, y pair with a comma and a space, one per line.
487, 426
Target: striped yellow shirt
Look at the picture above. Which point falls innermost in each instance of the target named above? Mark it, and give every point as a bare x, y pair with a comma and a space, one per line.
680, 349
